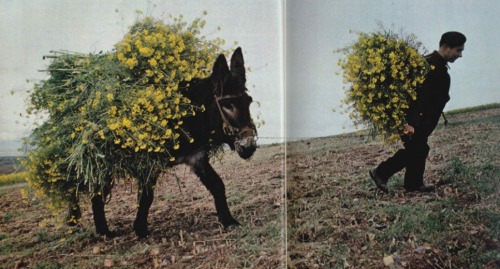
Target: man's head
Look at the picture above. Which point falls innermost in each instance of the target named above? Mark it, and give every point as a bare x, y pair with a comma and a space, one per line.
451, 46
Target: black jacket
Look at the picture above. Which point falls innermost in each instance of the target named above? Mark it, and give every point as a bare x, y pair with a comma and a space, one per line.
424, 113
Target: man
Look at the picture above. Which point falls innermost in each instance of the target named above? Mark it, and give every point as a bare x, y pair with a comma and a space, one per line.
421, 118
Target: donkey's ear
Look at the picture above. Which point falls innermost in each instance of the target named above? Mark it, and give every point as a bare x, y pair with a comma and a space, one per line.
220, 73
221, 70
237, 63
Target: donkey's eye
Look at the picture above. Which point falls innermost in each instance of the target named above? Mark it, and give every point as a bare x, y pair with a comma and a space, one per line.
228, 106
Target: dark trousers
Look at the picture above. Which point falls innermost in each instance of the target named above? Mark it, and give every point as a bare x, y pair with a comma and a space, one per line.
412, 157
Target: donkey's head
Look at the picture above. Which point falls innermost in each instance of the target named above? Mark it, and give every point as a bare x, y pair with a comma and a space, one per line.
232, 104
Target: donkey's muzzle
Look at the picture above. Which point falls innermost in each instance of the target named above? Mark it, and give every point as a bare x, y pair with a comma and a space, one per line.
246, 147
246, 144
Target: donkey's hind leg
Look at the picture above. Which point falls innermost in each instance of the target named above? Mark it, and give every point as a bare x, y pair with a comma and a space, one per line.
145, 197
101, 225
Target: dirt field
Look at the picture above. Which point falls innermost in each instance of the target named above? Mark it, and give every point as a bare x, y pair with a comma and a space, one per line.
184, 229
335, 217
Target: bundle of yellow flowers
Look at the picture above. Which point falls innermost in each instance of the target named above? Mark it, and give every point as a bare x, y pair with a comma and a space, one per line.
101, 109
381, 72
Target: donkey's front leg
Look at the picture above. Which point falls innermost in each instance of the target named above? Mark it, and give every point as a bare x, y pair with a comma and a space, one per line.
214, 184
145, 197
101, 225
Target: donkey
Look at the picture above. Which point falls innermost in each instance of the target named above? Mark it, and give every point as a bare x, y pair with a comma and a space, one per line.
226, 120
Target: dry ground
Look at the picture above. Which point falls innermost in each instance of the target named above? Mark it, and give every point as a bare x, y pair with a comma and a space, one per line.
184, 229
335, 217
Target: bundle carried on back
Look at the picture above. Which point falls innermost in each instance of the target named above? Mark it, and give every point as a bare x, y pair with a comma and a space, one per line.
111, 112
382, 72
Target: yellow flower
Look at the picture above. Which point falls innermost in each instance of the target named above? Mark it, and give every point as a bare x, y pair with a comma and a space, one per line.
153, 62
112, 110
101, 134
126, 122
146, 52
113, 126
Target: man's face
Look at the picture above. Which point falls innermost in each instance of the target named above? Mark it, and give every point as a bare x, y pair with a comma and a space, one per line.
451, 54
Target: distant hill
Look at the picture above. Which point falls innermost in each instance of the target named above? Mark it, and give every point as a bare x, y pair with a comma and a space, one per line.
10, 148
9, 164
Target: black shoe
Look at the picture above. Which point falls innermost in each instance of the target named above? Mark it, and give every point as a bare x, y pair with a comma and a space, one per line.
378, 181
422, 188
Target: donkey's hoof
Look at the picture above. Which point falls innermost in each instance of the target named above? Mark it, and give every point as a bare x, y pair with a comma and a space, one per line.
230, 223
72, 223
141, 230
107, 233
142, 233
73, 219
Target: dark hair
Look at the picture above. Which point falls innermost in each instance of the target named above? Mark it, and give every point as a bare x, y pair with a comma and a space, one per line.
452, 39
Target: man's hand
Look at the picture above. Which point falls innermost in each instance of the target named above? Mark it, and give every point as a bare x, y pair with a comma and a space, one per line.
409, 130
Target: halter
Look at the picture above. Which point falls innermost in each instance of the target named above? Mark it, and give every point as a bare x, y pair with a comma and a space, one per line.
227, 128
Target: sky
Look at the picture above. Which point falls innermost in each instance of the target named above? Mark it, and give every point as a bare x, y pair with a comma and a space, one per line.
289, 45
315, 28
31, 29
